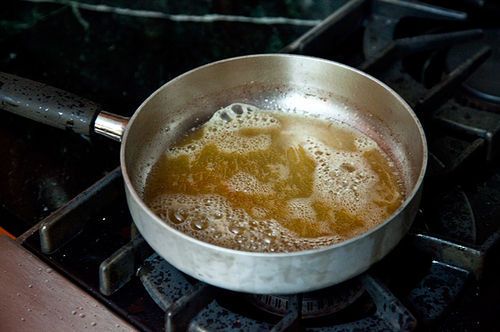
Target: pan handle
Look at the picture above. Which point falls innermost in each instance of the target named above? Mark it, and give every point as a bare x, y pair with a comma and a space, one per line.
57, 108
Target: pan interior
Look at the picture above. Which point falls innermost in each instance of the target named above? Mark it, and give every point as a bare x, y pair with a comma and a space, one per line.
274, 82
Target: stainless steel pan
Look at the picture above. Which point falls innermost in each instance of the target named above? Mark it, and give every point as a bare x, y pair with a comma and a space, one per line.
269, 81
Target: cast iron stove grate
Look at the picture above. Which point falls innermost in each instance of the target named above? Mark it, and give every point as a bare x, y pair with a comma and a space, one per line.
431, 279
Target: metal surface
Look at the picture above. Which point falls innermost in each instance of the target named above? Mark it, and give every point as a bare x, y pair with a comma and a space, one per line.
55, 231
217, 309
398, 8
484, 83
446, 283
447, 88
110, 125
277, 82
315, 304
348, 16
391, 314
288, 83
411, 45
455, 254
291, 320
162, 281
118, 269
37, 298
182, 311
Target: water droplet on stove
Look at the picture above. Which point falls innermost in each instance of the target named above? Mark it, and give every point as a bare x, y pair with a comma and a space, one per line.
30, 286
48, 270
81, 308
93, 324
117, 325
73, 312
81, 315
22, 319
29, 309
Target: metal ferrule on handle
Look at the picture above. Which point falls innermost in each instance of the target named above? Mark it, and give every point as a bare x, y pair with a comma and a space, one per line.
110, 125
57, 108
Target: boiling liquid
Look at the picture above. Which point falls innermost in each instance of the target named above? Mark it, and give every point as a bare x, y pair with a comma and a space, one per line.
267, 181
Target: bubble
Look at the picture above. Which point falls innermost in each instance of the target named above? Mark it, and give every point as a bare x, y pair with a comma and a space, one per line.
236, 229
177, 216
199, 224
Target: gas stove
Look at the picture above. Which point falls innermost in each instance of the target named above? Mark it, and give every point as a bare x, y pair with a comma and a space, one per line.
441, 57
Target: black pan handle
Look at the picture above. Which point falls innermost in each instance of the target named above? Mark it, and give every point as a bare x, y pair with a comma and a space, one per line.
46, 104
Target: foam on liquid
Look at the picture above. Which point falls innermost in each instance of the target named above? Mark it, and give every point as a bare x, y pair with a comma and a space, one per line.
269, 181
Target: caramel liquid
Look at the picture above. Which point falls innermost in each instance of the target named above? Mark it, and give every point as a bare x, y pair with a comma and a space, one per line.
258, 180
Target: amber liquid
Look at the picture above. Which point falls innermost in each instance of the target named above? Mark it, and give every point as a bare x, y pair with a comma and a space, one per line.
268, 181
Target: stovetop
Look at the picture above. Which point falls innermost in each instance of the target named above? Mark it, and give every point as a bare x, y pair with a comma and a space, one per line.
62, 196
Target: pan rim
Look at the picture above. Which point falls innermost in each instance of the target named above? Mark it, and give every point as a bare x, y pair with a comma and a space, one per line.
314, 251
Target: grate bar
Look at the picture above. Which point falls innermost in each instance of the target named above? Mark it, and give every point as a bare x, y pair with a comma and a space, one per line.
182, 311
291, 321
441, 286
399, 9
335, 27
119, 268
459, 255
390, 315
65, 223
410, 45
440, 93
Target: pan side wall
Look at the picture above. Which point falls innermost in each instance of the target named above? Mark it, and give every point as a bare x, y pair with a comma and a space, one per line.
273, 82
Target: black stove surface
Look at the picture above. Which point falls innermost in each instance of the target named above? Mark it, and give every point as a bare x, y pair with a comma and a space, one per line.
442, 276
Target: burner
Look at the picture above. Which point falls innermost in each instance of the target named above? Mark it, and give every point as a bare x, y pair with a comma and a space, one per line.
484, 83
165, 285
314, 304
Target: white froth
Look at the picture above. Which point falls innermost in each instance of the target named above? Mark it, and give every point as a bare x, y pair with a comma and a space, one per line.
216, 222
364, 143
341, 176
223, 130
246, 183
301, 208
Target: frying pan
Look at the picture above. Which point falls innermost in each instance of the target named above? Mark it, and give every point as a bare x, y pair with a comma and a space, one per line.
286, 82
